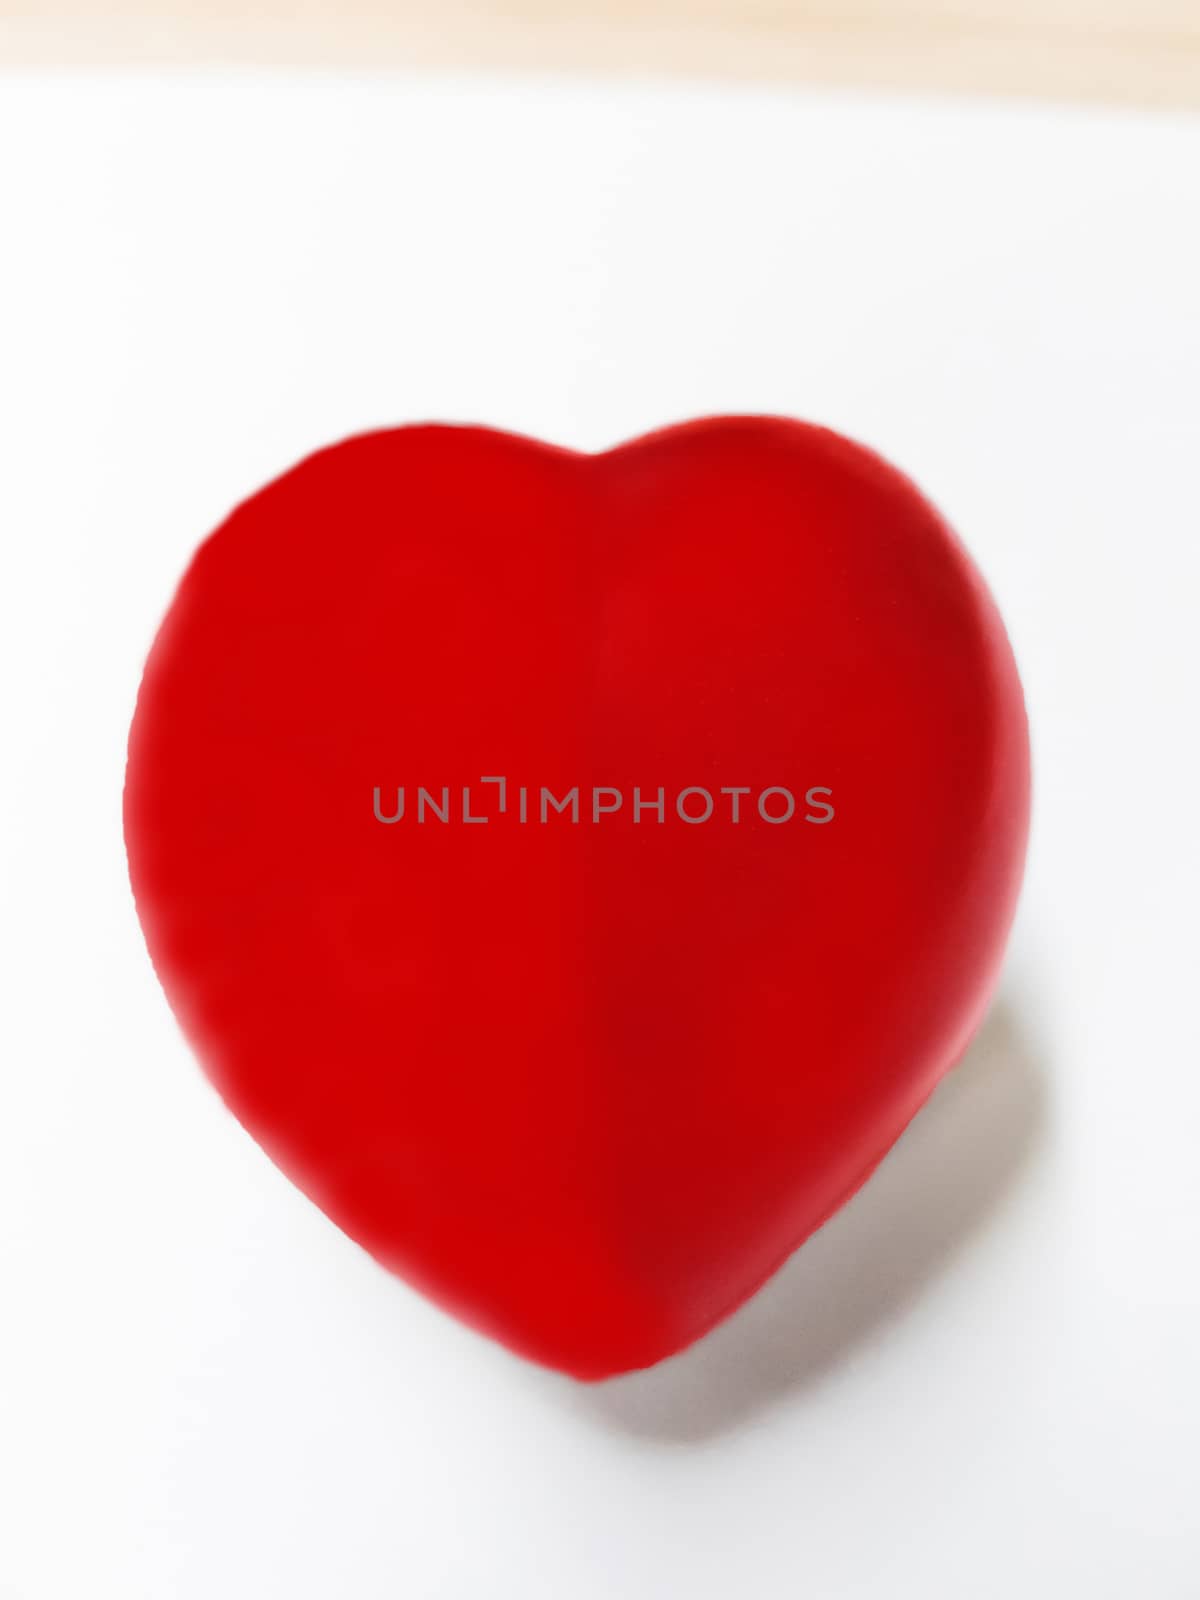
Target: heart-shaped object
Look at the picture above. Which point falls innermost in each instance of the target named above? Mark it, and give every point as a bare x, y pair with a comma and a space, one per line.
576, 870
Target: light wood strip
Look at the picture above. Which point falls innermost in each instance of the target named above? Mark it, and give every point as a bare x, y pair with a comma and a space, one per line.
1101, 50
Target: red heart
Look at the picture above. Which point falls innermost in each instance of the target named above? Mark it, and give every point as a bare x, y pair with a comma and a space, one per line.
585, 1082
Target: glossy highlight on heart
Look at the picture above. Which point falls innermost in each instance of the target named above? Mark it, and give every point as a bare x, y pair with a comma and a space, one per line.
576, 870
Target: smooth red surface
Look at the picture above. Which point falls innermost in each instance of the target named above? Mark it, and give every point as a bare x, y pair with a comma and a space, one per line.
587, 1085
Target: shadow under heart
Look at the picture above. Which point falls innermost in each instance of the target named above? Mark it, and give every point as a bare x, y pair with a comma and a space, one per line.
945, 1175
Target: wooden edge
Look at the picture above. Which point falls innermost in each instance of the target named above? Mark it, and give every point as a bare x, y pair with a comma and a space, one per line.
1114, 64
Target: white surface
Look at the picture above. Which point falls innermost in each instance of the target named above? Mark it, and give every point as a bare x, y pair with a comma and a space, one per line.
981, 1380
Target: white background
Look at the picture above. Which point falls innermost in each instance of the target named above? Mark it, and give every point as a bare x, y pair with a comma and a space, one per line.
981, 1379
